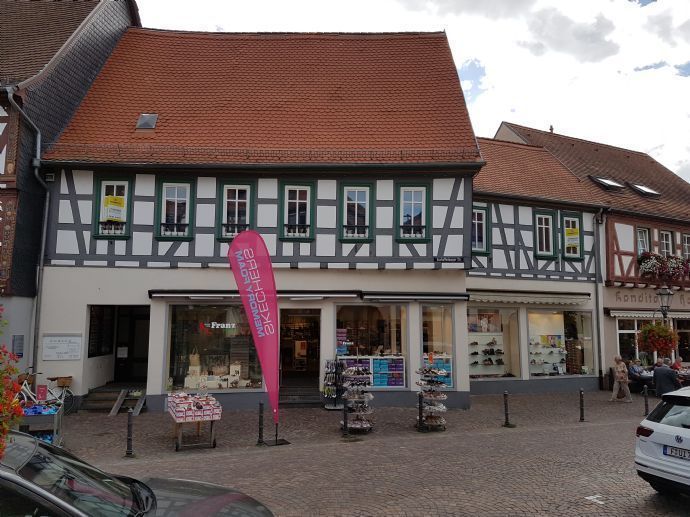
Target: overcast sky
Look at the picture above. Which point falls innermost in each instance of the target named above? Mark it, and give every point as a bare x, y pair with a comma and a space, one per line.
612, 71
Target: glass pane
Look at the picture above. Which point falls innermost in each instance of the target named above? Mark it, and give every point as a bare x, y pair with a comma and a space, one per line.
302, 213
437, 339
231, 193
212, 347
182, 212
302, 195
417, 196
170, 212
170, 193
407, 213
626, 324
292, 213
242, 194
362, 196
120, 190
626, 343
110, 190
351, 195
292, 194
242, 212
493, 349
231, 212
361, 215
407, 195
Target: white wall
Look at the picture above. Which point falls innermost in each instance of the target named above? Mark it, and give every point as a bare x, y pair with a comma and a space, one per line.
18, 313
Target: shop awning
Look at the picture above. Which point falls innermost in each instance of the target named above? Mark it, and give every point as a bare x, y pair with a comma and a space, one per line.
648, 314
530, 298
413, 297
210, 295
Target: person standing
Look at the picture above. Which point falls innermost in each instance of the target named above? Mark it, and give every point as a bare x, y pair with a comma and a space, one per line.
665, 379
678, 364
620, 380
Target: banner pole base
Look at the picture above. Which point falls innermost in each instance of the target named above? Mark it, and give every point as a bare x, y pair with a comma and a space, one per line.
277, 441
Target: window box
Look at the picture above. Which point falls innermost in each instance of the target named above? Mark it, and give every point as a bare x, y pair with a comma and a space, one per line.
175, 212
113, 209
412, 213
357, 213
297, 211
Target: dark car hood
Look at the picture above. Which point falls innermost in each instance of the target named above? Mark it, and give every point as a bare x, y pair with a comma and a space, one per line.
180, 498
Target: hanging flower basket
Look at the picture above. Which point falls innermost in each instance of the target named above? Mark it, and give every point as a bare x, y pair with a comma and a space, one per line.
661, 269
657, 337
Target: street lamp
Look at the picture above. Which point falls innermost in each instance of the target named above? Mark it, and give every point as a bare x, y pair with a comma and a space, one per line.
665, 296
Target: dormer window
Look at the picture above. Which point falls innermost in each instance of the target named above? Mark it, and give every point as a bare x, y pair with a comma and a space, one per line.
607, 183
644, 189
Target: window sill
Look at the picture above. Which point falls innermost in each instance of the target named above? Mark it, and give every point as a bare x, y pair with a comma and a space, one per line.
166, 238
477, 253
413, 240
111, 237
573, 259
545, 257
296, 239
356, 240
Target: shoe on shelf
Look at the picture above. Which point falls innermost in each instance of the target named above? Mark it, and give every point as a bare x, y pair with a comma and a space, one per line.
474, 363
475, 353
474, 343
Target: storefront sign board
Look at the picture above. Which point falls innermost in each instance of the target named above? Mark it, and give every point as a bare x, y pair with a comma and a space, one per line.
63, 347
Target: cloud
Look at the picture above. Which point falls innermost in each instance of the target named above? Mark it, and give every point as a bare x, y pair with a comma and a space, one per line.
683, 169
653, 66
684, 30
642, 2
662, 26
684, 69
493, 9
472, 72
585, 41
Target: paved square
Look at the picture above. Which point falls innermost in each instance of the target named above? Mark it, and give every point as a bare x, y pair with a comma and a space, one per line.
550, 464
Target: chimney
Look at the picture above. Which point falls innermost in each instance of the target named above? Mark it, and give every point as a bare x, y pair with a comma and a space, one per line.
551, 128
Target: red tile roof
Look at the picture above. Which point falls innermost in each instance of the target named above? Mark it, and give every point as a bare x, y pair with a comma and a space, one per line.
532, 172
585, 158
274, 98
32, 32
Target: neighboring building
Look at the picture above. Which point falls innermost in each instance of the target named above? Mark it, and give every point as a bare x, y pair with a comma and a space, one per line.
533, 315
352, 155
648, 209
50, 51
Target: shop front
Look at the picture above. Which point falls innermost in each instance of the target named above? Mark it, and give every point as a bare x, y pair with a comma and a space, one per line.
531, 342
627, 309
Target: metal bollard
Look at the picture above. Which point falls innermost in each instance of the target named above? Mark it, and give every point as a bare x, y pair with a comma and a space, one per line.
129, 453
260, 441
645, 392
421, 426
505, 410
582, 405
346, 431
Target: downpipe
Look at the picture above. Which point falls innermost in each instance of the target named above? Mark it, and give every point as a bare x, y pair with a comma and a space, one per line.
598, 221
36, 164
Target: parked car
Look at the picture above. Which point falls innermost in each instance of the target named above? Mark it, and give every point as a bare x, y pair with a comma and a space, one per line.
42, 480
662, 453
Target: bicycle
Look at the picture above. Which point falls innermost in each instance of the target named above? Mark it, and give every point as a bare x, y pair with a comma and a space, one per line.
64, 397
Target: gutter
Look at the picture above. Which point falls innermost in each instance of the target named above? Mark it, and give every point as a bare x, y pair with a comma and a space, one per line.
36, 164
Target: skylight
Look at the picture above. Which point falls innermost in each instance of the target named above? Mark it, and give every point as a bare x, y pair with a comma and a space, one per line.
644, 189
147, 121
608, 182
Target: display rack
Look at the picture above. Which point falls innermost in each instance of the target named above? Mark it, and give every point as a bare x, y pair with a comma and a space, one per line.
356, 381
441, 362
486, 354
333, 384
44, 422
432, 407
547, 356
194, 409
386, 371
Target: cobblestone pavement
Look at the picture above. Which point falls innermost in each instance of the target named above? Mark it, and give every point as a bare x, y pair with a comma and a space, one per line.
547, 465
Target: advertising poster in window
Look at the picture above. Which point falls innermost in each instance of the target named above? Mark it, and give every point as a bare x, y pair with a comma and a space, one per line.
572, 237
114, 208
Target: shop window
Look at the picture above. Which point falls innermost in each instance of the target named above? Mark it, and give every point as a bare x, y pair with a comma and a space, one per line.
665, 243
413, 217
437, 339
642, 240
211, 347
175, 211
297, 211
572, 236
686, 246
374, 336
235, 210
627, 341
560, 343
494, 351
683, 329
356, 213
112, 219
480, 230
544, 234
101, 330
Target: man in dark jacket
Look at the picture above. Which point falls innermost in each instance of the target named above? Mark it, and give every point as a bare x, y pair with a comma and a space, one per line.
665, 379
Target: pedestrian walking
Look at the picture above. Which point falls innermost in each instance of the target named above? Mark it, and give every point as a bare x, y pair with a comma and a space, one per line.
620, 380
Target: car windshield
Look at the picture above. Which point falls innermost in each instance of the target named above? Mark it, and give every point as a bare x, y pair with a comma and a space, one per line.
78, 483
673, 411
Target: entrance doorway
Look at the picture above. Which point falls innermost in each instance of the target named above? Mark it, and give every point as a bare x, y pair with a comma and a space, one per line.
300, 331
131, 343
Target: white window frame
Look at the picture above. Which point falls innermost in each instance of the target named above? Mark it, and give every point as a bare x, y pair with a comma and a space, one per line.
686, 246
567, 220
643, 237
175, 231
476, 229
353, 233
305, 230
423, 232
226, 232
105, 225
665, 251
538, 227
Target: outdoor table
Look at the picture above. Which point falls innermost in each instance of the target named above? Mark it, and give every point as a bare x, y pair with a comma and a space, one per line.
194, 409
179, 433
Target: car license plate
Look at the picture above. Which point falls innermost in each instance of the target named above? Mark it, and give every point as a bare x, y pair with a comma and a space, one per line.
676, 452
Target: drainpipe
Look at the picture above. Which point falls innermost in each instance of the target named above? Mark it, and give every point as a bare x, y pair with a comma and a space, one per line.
598, 220
36, 164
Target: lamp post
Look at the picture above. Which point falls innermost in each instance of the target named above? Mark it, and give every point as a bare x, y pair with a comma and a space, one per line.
665, 296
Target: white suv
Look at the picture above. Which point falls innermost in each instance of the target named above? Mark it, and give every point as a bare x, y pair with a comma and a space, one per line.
662, 453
